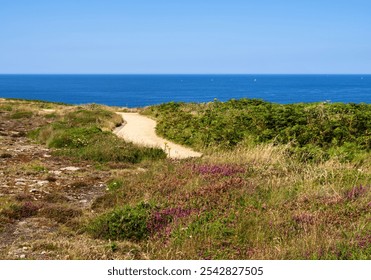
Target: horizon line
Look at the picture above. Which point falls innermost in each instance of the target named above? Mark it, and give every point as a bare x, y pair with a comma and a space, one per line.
168, 74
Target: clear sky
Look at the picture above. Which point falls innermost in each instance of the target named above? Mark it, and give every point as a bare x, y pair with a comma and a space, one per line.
185, 36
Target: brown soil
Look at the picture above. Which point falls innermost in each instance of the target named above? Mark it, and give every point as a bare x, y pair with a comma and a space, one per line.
43, 197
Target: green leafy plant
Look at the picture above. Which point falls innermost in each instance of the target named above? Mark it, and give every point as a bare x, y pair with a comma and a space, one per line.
122, 223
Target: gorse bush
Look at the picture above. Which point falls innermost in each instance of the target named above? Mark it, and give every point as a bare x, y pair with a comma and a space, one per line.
308, 128
85, 133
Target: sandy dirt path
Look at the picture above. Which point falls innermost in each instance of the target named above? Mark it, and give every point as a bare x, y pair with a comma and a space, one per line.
141, 130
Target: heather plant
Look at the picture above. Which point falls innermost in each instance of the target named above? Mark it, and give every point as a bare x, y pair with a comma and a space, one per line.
237, 205
356, 192
21, 210
218, 169
160, 220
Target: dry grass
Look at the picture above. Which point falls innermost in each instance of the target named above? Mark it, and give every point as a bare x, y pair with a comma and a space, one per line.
277, 208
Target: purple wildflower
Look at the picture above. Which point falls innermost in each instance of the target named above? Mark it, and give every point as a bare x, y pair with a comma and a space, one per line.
218, 169
356, 192
363, 241
160, 220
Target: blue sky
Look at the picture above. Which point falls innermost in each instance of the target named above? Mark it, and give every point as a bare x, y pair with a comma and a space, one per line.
185, 36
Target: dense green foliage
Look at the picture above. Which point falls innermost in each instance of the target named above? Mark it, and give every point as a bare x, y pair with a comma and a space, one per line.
311, 129
122, 223
85, 133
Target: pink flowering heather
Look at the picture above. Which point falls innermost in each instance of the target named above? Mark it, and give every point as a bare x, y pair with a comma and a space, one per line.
160, 221
218, 169
356, 192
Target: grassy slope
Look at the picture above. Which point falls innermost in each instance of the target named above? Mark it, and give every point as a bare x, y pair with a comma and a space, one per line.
249, 197
271, 197
85, 132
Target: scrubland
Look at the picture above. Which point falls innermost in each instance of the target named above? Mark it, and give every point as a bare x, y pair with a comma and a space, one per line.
275, 182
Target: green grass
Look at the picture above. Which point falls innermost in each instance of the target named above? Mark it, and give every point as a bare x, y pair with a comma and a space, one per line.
85, 133
41, 102
21, 115
6, 107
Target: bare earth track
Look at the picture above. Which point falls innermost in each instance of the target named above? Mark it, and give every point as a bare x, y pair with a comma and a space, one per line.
141, 130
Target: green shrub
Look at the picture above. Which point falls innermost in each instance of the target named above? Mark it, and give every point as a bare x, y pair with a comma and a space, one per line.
122, 223
21, 115
310, 127
74, 137
6, 107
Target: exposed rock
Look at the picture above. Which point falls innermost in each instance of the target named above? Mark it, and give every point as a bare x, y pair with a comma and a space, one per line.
20, 180
56, 172
70, 168
42, 183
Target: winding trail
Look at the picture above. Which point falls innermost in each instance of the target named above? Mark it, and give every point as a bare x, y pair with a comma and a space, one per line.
141, 130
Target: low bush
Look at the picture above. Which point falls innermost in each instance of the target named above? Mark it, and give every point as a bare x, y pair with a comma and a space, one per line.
123, 223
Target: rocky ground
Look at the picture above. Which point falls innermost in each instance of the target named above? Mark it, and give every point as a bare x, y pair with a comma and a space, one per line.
44, 197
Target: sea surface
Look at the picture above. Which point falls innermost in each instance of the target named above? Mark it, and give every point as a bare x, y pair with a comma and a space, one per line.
143, 90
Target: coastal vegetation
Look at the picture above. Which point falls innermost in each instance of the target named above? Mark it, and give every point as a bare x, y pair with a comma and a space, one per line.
275, 182
85, 133
315, 131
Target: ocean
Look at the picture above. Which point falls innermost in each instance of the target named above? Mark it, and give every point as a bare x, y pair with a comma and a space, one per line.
144, 90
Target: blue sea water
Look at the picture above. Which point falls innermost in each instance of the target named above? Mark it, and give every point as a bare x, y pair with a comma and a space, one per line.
143, 90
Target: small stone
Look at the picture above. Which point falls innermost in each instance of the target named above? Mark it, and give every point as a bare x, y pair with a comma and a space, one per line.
24, 248
20, 184
42, 183
56, 172
47, 156
19, 179
23, 256
70, 168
